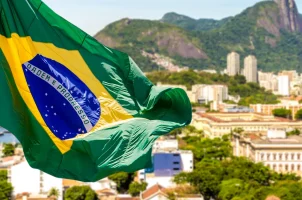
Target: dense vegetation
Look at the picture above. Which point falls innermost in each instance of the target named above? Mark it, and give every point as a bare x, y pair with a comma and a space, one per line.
219, 175
135, 188
250, 93
80, 193
282, 112
193, 24
5, 187
275, 49
298, 115
122, 180
8, 150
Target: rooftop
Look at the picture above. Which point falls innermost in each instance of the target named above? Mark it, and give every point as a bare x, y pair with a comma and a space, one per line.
153, 190
241, 117
289, 140
263, 139
71, 183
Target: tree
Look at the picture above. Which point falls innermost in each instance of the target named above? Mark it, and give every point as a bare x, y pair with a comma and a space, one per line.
206, 178
242, 168
294, 132
122, 180
80, 193
282, 112
238, 130
5, 190
180, 191
135, 188
231, 188
3, 175
8, 150
299, 114
176, 132
54, 192
240, 79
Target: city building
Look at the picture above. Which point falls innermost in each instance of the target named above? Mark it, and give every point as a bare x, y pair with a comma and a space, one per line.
274, 149
268, 80
265, 76
166, 164
219, 124
26, 179
296, 87
292, 75
250, 69
208, 93
267, 109
165, 144
233, 64
210, 71
9, 161
229, 108
283, 85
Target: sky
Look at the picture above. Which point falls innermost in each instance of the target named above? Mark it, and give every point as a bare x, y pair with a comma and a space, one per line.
93, 15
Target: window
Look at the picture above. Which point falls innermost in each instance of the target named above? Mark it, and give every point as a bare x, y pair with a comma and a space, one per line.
286, 156
298, 168
293, 156
280, 167
176, 154
275, 156
176, 169
298, 156
274, 167
293, 167
175, 163
280, 156
286, 167
268, 156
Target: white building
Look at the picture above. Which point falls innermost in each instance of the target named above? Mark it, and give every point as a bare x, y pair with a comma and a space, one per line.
233, 64
268, 80
102, 184
26, 179
167, 164
275, 150
10, 161
250, 69
208, 93
164, 144
283, 85
210, 71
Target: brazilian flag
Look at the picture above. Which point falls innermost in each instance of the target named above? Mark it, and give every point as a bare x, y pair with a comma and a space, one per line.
81, 110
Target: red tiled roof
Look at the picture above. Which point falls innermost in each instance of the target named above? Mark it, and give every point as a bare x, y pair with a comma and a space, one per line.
254, 137
272, 198
71, 183
153, 190
5, 159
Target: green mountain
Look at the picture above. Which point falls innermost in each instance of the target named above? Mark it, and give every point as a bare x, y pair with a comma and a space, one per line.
193, 24
270, 30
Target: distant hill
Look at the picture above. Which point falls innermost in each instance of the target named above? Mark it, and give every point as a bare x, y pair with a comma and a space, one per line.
193, 24
270, 30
